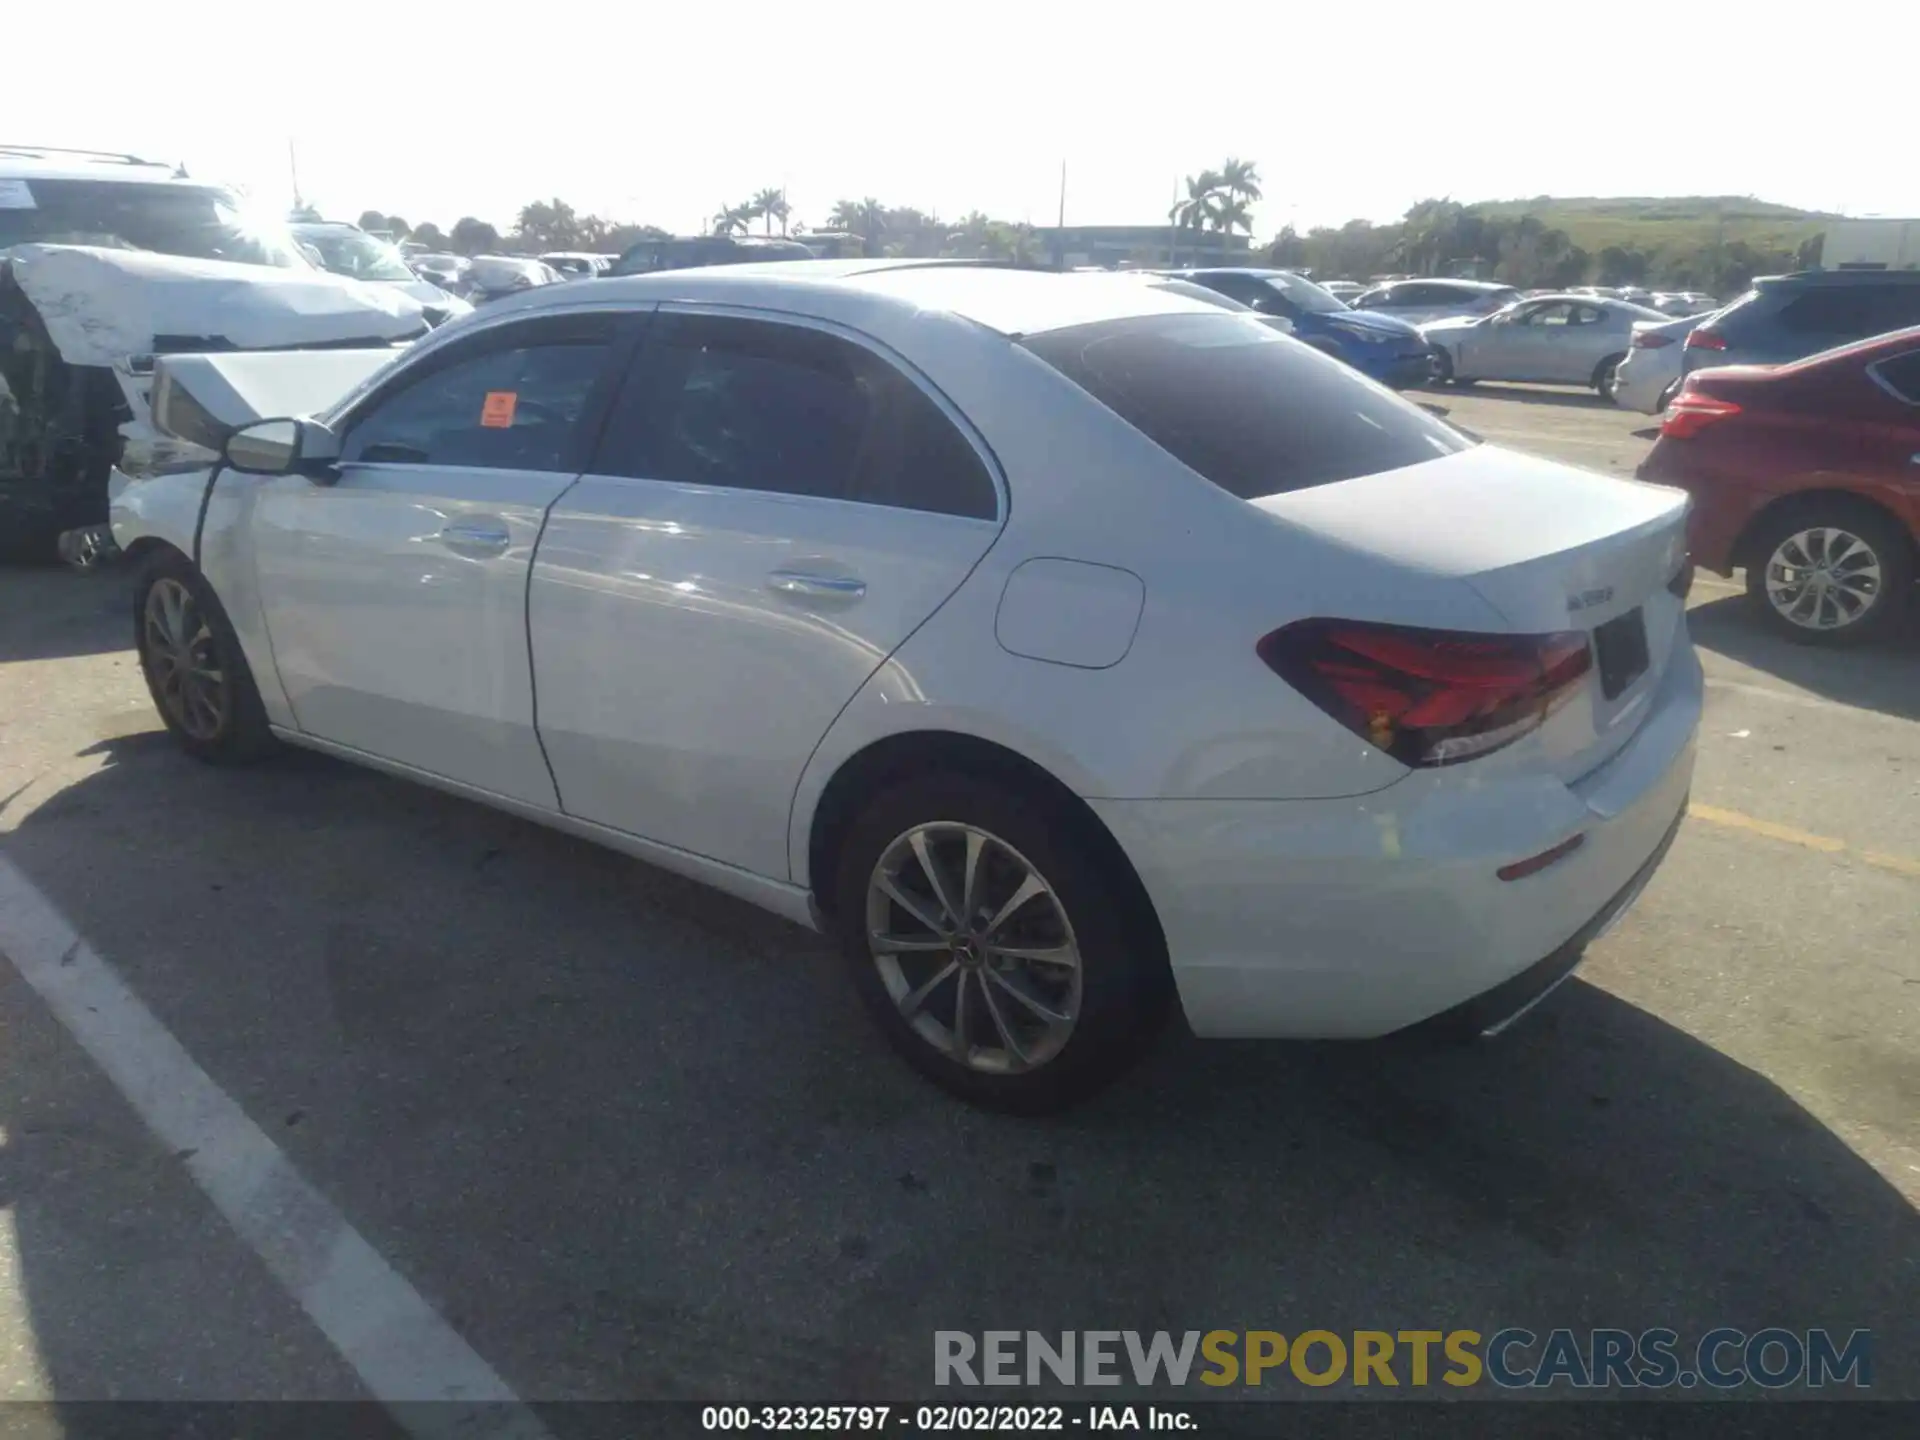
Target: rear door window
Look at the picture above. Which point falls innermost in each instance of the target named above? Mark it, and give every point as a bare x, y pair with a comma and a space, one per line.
787, 409
1246, 407
1901, 374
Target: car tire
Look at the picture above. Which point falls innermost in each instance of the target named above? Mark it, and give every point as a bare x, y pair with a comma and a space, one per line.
194, 667
1443, 370
1604, 373
1865, 555
945, 996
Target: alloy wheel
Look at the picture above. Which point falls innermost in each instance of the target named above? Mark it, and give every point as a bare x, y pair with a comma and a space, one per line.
1823, 578
974, 948
182, 661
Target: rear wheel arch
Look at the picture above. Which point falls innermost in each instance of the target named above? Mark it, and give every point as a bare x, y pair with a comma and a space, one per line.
889, 761
1603, 372
1811, 502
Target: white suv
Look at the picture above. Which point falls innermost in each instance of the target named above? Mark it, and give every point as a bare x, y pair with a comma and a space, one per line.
107, 261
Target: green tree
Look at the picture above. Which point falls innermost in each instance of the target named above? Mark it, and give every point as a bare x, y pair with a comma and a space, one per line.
547, 225
845, 217
474, 237
398, 228
1289, 251
732, 220
429, 235
371, 220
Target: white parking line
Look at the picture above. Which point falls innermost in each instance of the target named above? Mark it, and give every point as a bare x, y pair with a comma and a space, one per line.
402, 1351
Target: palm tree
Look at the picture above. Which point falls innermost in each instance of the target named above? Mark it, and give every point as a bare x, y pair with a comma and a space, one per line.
871, 224
772, 205
1231, 214
1196, 212
732, 220
1240, 179
844, 217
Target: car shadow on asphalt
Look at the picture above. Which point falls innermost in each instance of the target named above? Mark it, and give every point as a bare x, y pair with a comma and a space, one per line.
50, 611
1883, 675
637, 1140
1569, 399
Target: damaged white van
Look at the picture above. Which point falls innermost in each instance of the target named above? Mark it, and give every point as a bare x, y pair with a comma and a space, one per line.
105, 262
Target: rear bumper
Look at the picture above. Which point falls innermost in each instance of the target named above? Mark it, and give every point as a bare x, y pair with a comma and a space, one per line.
1720, 511
1356, 918
1492, 1011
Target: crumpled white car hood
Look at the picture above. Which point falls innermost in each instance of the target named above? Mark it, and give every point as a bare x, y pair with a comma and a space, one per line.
101, 306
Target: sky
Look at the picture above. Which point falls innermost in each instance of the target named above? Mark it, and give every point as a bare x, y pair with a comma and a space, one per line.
438, 111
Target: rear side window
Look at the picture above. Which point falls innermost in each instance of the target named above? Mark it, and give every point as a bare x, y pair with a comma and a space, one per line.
1251, 410
1901, 374
784, 409
1851, 311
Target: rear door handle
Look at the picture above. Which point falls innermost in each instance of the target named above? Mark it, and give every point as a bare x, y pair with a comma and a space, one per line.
806, 584
477, 537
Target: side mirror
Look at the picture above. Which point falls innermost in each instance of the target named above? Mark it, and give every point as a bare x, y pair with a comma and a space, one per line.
281, 447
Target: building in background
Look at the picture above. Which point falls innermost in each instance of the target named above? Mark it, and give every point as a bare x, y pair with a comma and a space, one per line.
1110, 246
1871, 245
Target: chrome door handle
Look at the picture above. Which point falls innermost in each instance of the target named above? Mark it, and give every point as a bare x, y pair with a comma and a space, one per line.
816, 587
476, 538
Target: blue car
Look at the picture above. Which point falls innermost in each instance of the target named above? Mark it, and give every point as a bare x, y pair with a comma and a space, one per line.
1379, 346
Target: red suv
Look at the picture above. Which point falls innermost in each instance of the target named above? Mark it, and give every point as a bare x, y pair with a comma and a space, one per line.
1808, 477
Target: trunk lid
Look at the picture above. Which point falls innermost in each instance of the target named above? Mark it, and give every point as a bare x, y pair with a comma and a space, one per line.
1551, 548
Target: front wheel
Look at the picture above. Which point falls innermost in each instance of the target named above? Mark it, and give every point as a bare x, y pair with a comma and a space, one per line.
193, 664
992, 946
1830, 573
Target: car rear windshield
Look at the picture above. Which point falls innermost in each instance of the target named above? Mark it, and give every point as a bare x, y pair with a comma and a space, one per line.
1250, 409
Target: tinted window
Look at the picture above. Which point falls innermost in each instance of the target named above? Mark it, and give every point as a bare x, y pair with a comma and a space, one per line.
1251, 410
509, 407
169, 219
1902, 375
1847, 311
781, 408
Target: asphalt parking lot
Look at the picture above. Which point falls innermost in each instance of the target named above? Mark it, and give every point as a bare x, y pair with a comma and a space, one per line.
628, 1138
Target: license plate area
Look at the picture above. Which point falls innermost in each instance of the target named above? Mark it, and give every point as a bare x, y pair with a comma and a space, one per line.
1620, 647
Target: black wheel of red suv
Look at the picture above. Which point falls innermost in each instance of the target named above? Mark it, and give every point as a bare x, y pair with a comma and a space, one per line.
1829, 572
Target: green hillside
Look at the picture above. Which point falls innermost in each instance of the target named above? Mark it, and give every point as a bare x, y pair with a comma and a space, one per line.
1672, 224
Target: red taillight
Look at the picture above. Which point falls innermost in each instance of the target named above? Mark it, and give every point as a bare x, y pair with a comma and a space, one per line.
1428, 697
1651, 340
1701, 338
1692, 411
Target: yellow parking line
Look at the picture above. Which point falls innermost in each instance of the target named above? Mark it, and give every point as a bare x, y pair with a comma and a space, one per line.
1787, 835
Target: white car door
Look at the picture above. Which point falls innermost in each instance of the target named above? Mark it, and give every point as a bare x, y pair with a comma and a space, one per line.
395, 596
774, 508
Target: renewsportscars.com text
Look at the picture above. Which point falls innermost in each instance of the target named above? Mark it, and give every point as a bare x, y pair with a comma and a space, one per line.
1513, 1358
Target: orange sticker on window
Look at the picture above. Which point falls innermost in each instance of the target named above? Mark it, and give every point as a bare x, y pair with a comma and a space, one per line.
496, 411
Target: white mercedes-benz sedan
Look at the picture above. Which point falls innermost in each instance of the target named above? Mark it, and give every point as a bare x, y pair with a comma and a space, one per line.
1066, 647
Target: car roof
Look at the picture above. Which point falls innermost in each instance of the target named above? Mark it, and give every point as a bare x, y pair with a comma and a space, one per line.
1840, 277
298, 225
1010, 301
26, 162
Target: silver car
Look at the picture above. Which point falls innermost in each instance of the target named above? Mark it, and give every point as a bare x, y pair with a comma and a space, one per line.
1549, 340
1419, 301
1646, 379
